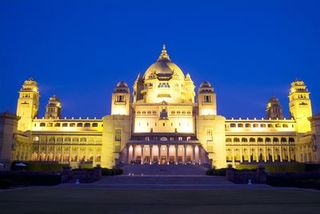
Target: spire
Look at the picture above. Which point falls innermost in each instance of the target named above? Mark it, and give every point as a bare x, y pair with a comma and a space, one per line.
164, 55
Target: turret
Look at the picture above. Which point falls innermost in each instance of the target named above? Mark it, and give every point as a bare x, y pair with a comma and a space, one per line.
137, 89
120, 104
53, 109
28, 104
207, 99
300, 105
274, 110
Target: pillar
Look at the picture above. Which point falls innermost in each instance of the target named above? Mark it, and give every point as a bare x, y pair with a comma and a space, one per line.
133, 152
128, 154
176, 150
159, 153
184, 153
193, 154
142, 153
167, 147
150, 154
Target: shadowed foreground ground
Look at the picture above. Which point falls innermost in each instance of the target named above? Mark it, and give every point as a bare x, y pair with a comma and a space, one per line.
91, 200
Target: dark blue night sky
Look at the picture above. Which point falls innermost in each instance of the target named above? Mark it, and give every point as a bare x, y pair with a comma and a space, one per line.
79, 50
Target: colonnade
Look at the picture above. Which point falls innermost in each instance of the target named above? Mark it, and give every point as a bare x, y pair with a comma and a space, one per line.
164, 154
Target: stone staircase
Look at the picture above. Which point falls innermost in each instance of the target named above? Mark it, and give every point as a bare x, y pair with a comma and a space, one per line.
167, 170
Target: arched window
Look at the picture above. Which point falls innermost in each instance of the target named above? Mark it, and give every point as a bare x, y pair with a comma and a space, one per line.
276, 140
260, 139
252, 140
79, 124
244, 140
236, 140
228, 140
268, 140
283, 140
248, 125
232, 125
87, 125
291, 140
240, 125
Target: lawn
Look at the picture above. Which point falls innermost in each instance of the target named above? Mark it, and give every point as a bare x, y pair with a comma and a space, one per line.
90, 200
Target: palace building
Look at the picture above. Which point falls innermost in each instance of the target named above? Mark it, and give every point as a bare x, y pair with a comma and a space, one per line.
162, 120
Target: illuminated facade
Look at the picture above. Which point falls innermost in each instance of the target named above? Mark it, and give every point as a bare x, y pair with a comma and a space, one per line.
163, 121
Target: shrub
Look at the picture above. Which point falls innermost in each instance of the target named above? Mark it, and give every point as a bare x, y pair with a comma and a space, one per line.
109, 172
5, 183
217, 172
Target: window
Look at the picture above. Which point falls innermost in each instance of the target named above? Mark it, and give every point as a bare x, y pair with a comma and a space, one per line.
87, 125
79, 124
240, 125
64, 124
72, 124
42, 124
94, 124
117, 135
244, 140
120, 98
228, 140
232, 125
248, 125
57, 125
209, 135
252, 140
236, 140
207, 98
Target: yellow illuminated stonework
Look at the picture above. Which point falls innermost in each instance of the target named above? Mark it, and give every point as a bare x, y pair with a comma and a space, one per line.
162, 121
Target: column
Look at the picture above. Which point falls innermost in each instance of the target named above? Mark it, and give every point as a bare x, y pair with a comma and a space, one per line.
280, 153
265, 154
288, 151
241, 159
167, 146
257, 154
232, 151
150, 154
184, 153
193, 154
176, 158
272, 152
133, 152
142, 153
128, 154
159, 153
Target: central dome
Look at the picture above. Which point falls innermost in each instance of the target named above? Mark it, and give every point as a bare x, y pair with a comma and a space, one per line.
163, 68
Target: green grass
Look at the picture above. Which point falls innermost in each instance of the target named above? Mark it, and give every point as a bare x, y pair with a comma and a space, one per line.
80, 200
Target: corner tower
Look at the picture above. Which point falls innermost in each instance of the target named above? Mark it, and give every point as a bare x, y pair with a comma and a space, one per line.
207, 100
28, 104
300, 105
120, 103
53, 109
274, 110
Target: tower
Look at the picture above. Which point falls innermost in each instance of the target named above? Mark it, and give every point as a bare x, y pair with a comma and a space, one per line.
137, 89
120, 103
28, 104
274, 110
300, 105
207, 100
53, 109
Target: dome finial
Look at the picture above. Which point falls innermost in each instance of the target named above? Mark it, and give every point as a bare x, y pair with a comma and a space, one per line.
164, 55
164, 46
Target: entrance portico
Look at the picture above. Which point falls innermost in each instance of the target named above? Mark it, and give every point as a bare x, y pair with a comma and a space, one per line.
190, 153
